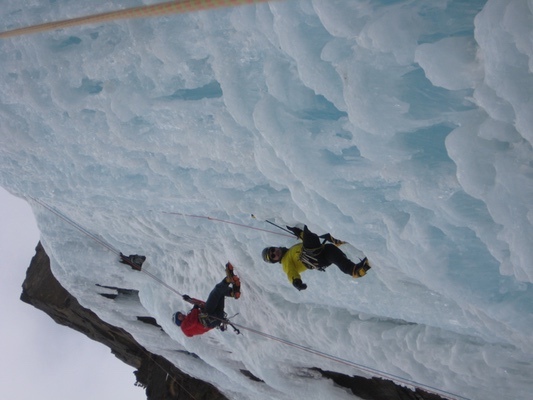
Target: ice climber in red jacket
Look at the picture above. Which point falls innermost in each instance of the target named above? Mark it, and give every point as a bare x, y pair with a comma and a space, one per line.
210, 314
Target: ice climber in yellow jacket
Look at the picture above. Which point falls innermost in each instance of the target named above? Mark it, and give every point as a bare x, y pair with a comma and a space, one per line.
312, 254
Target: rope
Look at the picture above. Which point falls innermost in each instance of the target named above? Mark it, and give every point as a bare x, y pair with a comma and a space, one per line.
77, 226
155, 278
372, 371
154, 10
361, 367
100, 241
228, 222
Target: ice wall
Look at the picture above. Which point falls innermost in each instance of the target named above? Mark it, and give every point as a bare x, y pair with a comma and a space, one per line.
401, 127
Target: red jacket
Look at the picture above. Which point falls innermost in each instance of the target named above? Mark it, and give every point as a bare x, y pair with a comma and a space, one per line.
191, 325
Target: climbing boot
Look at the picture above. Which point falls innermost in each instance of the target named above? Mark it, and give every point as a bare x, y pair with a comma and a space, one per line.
236, 287
361, 268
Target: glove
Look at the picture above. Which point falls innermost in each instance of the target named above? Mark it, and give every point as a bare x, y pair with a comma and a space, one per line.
186, 297
331, 239
297, 231
298, 284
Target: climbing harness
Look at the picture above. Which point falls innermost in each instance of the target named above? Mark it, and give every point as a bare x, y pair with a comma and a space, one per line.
223, 323
309, 257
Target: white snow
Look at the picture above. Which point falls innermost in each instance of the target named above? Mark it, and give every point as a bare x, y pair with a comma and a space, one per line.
401, 127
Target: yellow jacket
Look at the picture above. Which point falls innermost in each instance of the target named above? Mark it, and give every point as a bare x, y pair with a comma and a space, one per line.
291, 263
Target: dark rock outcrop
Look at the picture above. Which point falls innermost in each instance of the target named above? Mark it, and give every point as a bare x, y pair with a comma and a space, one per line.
377, 388
161, 379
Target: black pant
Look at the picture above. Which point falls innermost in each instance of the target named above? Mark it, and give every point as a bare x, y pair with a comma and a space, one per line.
330, 253
333, 255
214, 306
